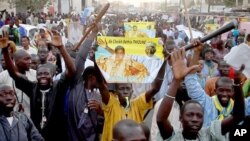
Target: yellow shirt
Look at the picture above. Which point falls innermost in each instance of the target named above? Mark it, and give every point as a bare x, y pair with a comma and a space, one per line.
114, 112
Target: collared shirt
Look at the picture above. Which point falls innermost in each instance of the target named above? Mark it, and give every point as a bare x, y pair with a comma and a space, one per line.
211, 133
173, 119
21, 129
31, 50
114, 112
21, 96
196, 92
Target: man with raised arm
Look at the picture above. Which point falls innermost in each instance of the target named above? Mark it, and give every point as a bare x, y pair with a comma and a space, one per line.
192, 112
46, 111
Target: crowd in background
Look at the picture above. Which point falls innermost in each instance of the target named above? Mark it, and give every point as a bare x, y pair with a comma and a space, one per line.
51, 91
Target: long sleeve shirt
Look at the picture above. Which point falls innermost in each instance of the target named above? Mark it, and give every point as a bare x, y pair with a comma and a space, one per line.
196, 92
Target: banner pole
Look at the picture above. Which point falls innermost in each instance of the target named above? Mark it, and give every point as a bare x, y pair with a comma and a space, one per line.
188, 19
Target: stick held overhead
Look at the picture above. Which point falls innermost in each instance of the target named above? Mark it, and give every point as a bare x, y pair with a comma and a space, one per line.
220, 31
92, 26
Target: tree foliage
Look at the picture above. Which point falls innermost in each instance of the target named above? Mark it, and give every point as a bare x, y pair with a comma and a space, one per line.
33, 5
232, 3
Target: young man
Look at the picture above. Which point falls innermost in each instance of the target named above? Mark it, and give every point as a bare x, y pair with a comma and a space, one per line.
46, 95
217, 107
25, 41
14, 125
210, 67
210, 83
125, 108
128, 130
82, 104
34, 61
13, 33
192, 112
22, 63
43, 53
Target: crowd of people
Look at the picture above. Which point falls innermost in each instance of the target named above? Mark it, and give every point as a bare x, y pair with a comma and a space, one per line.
51, 91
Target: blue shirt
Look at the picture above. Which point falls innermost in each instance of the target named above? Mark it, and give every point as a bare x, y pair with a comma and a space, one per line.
22, 31
1, 23
196, 92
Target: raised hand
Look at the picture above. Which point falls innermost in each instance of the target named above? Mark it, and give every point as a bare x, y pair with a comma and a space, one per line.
180, 69
238, 74
198, 44
56, 39
94, 105
102, 43
4, 39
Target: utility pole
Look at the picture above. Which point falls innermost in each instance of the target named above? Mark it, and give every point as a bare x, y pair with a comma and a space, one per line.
237, 3
59, 6
201, 5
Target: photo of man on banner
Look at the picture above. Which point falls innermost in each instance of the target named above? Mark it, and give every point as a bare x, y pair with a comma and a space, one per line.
128, 62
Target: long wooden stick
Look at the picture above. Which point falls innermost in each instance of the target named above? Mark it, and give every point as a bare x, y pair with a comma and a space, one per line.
92, 26
188, 19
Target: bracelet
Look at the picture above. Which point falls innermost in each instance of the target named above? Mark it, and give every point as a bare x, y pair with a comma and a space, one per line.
159, 78
169, 96
237, 85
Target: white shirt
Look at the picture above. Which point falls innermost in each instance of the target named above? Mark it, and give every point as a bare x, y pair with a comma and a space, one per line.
173, 118
31, 50
10, 120
177, 41
21, 96
168, 33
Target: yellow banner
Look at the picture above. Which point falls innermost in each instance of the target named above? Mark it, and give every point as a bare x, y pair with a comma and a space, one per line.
140, 29
129, 60
211, 27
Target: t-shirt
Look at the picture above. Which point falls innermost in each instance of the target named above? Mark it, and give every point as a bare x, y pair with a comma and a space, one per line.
114, 112
211, 133
31, 50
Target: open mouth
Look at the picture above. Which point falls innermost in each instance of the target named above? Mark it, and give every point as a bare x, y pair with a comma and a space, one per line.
224, 98
195, 128
10, 105
43, 82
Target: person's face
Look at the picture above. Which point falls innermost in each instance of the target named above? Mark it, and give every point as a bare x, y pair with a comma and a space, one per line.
44, 77
41, 44
7, 98
3, 63
176, 34
223, 68
209, 56
34, 63
134, 28
119, 55
17, 22
124, 90
24, 62
92, 81
169, 49
192, 118
201, 65
43, 53
224, 92
11, 24
150, 51
42, 33
25, 42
